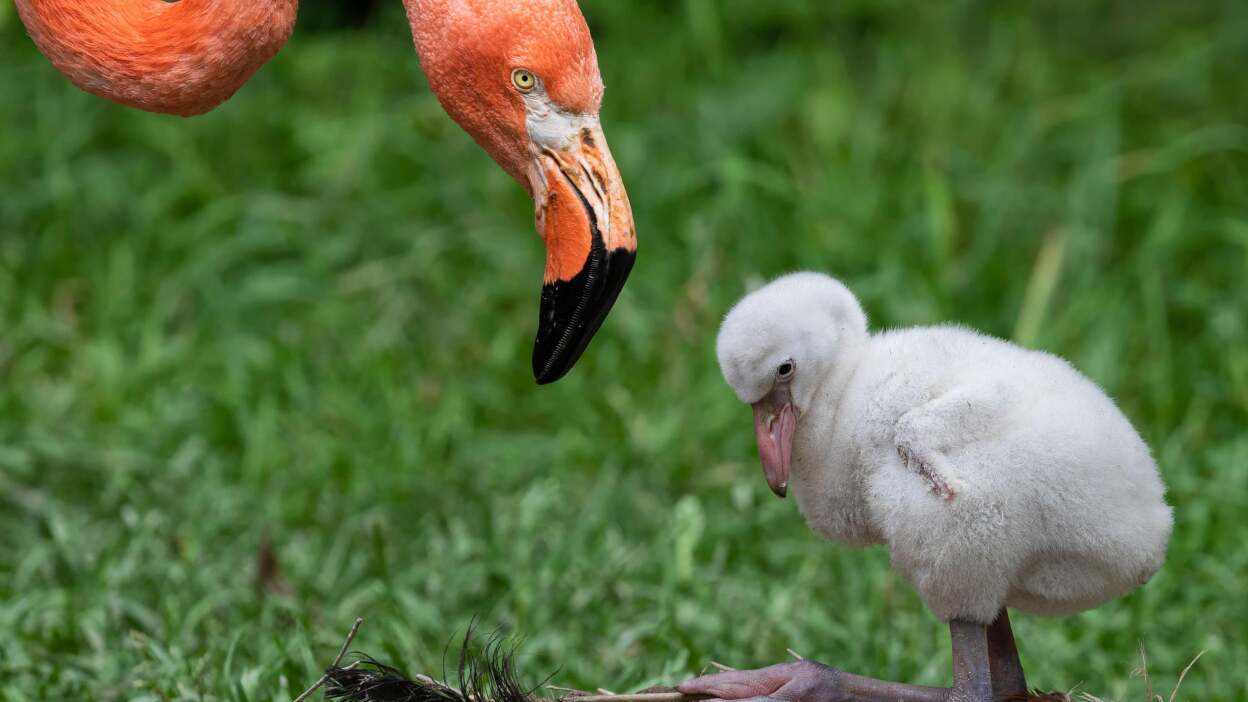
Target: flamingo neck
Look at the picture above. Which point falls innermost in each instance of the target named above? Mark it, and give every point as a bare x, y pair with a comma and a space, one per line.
181, 58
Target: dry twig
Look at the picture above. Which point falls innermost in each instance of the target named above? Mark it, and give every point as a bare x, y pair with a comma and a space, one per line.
574, 695
355, 628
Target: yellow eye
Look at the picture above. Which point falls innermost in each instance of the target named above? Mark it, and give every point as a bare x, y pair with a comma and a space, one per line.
523, 80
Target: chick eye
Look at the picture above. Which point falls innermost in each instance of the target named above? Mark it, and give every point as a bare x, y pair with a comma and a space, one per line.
523, 80
785, 371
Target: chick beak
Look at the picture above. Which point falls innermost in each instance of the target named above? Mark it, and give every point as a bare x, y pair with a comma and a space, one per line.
585, 219
774, 429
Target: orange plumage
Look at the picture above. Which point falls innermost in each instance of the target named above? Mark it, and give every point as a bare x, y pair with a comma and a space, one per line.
181, 58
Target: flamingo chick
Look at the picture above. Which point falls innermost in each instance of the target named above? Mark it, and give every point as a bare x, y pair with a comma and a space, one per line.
520, 76
997, 477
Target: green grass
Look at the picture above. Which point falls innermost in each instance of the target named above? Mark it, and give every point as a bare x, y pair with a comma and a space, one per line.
308, 315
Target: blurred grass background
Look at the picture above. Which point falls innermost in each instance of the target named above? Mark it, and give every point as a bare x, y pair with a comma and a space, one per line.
306, 318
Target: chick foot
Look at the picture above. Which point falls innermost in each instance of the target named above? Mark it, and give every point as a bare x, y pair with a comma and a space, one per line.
808, 681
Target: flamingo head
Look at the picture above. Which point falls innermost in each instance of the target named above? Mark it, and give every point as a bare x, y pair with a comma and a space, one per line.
522, 79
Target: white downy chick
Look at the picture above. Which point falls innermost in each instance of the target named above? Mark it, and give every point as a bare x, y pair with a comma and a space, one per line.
997, 476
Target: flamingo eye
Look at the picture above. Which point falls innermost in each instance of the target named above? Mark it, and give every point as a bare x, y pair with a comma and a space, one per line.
785, 371
523, 80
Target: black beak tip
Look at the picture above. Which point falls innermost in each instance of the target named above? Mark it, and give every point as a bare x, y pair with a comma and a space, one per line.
547, 371
573, 310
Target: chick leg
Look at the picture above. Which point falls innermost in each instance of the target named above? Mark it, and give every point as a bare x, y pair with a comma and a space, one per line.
808, 681
1007, 670
972, 672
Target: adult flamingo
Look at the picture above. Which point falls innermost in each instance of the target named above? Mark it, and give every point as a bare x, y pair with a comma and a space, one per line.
520, 76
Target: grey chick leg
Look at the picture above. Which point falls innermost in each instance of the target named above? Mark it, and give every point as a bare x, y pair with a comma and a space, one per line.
1007, 670
972, 674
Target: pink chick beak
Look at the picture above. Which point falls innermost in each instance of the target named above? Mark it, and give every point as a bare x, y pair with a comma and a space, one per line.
775, 443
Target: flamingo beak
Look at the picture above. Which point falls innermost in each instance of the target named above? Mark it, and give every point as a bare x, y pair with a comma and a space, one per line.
775, 421
586, 222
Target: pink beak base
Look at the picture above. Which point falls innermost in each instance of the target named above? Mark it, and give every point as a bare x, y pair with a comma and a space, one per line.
775, 444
